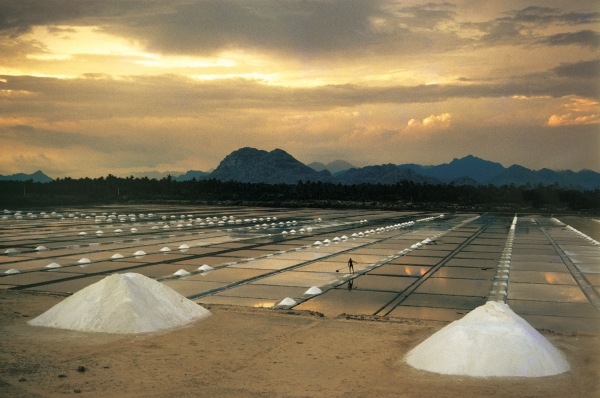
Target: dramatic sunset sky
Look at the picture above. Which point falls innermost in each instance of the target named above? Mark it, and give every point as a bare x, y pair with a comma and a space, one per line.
92, 87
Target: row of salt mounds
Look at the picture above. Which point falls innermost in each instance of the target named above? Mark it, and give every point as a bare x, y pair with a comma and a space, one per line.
122, 303
491, 340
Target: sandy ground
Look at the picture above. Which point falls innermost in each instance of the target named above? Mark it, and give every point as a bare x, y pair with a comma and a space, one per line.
244, 352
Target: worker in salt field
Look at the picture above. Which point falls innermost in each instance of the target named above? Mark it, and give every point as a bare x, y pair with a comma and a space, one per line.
351, 266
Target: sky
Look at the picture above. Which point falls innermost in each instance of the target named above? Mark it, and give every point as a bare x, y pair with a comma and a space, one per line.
91, 88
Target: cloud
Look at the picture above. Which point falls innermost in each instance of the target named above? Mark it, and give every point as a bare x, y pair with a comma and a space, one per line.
528, 26
307, 31
186, 27
19, 17
576, 111
97, 97
430, 123
426, 15
583, 69
587, 38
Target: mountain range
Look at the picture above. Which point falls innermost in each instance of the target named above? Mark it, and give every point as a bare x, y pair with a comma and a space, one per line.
279, 167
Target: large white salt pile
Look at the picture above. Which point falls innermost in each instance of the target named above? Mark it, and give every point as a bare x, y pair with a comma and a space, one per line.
122, 303
489, 341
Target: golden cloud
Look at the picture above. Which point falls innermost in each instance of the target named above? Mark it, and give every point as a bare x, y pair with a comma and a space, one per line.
576, 111
432, 122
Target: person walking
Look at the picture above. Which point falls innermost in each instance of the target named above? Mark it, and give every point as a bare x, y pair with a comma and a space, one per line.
351, 266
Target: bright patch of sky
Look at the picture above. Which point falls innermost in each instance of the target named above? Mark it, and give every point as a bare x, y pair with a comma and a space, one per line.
178, 85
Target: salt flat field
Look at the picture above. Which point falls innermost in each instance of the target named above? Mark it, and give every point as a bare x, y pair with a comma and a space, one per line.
419, 265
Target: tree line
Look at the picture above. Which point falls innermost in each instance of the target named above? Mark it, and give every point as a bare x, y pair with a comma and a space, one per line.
402, 195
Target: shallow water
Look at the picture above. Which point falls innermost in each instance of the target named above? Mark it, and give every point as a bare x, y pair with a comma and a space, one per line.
256, 264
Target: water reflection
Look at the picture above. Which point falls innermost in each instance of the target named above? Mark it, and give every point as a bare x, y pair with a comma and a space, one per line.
350, 284
415, 271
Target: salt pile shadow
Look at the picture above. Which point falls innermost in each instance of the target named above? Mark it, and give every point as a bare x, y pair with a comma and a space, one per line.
122, 303
491, 340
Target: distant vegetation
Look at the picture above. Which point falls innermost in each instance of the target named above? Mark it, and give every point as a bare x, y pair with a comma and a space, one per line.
402, 195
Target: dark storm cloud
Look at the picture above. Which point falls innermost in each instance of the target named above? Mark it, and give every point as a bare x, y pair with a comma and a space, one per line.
587, 38
181, 26
515, 27
580, 70
287, 27
547, 15
426, 15
18, 17
281, 25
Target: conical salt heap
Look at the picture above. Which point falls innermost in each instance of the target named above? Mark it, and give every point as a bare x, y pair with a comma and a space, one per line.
122, 303
491, 340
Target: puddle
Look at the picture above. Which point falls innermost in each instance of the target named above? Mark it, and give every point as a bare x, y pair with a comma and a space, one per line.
71, 286
187, 287
263, 291
227, 275
343, 301
546, 292
303, 279
456, 287
485, 273
434, 314
552, 278
444, 301
414, 260
400, 270
383, 283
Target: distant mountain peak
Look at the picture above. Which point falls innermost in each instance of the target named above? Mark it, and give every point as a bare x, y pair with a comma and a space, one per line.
256, 165
333, 167
37, 176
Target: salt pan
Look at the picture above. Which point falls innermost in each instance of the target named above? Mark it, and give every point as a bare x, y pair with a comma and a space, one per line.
122, 303
491, 340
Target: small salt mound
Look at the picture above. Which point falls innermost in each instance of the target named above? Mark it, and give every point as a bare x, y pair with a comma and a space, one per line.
139, 253
12, 271
183, 247
122, 303
53, 265
165, 250
181, 272
287, 302
41, 248
84, 261
116, 256
491, 340
205, 268
313, 290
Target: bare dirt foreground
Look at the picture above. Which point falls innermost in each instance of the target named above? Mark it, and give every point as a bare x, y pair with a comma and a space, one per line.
243, 352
